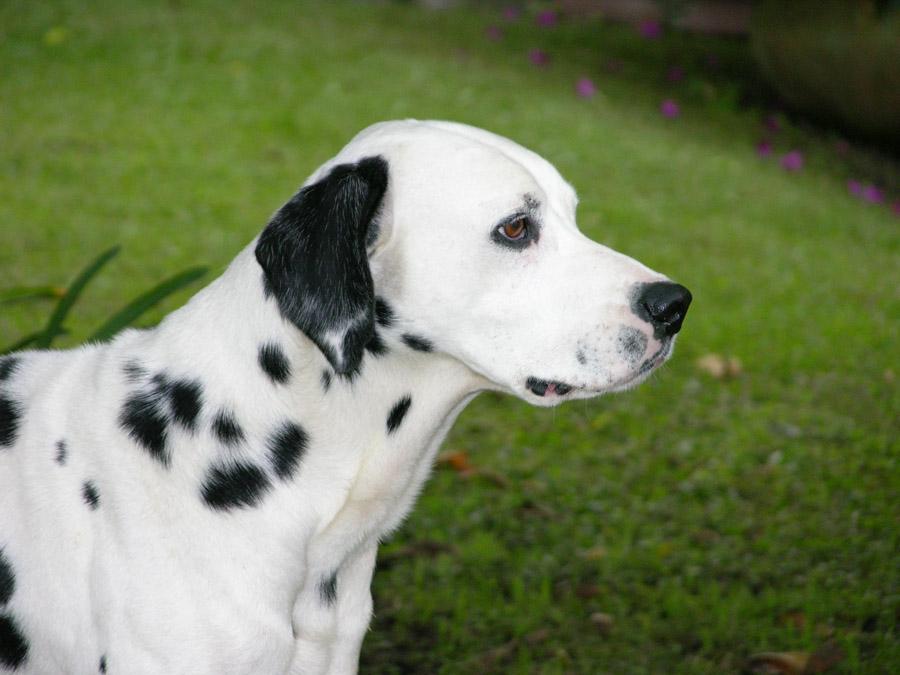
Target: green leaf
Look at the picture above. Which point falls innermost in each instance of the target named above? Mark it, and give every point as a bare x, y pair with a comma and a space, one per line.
55, 324
17, 293
21, 344
130, 312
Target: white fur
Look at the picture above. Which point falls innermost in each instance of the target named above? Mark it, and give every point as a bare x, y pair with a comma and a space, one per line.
159, 582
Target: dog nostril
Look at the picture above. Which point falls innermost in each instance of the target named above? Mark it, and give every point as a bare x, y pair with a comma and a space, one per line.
664, 305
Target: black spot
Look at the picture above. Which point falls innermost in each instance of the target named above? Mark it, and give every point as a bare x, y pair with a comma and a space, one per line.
13, 647
186, 397
376, 345
326, 380
7, 579
417, 342
328, 589
275, 364
384, 315
103, 664
398, 412
235, 486
286, 448
8, 366
10, 412
579, 355
313, 254
62, 452
631, 344
90, 494
134, 371
227, 429
145, 421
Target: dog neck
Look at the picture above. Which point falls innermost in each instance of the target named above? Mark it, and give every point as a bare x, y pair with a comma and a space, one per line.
346, 456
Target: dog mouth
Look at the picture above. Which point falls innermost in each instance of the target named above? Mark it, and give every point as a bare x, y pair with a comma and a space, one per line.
549, 388
540, 387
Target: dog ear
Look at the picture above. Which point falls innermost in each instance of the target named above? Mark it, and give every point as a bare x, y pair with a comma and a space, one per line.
313, 256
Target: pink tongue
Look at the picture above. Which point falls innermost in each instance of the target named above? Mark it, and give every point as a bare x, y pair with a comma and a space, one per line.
551, 388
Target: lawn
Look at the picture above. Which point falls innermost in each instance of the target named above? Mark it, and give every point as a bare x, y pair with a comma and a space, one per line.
679, 528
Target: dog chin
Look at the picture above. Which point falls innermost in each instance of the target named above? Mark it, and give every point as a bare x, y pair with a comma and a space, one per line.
547, 393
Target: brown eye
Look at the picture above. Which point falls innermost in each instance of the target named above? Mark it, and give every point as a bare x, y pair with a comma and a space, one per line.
515, 229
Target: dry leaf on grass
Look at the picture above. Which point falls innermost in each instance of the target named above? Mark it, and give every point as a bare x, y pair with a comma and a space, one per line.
492, 656
789, 663
427, 548
594, 553
458, 460
603, 621
720, 367
797, 663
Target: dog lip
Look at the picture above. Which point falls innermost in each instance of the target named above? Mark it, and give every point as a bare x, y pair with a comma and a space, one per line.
544, 388
540, 387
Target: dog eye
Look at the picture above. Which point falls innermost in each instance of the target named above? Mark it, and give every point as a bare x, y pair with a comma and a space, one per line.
515, 230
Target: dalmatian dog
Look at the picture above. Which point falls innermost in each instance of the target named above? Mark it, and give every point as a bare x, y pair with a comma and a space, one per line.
207, 497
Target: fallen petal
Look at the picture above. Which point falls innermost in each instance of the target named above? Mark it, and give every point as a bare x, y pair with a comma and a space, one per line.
511, 13
855, 188
792, 161
873, 194
585, 87
494, 33
670, 108
539, 57
650, 29
764, 148
546, 18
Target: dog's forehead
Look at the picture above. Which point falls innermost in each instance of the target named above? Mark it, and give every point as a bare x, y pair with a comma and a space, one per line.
448, 156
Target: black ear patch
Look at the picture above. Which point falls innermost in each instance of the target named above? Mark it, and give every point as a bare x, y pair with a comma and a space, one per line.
313, 256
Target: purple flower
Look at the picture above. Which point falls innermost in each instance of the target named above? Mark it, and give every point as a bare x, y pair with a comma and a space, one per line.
494, 33
873, 194
539, 57
764, 148
772, 123
511, 12
546, 19
585, 87
670, 109
855, 188
650, 29
675, 74
792, 161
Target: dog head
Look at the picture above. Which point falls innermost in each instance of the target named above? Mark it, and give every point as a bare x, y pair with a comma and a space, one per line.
472, 242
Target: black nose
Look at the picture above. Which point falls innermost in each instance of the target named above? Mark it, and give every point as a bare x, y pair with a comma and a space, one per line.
664, 305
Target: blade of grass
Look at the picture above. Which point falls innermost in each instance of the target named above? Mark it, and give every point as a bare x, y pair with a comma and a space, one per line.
54, 325
18, 293
21, 344
130, 312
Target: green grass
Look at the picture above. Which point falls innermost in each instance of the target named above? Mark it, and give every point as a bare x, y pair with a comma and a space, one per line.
700, 514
